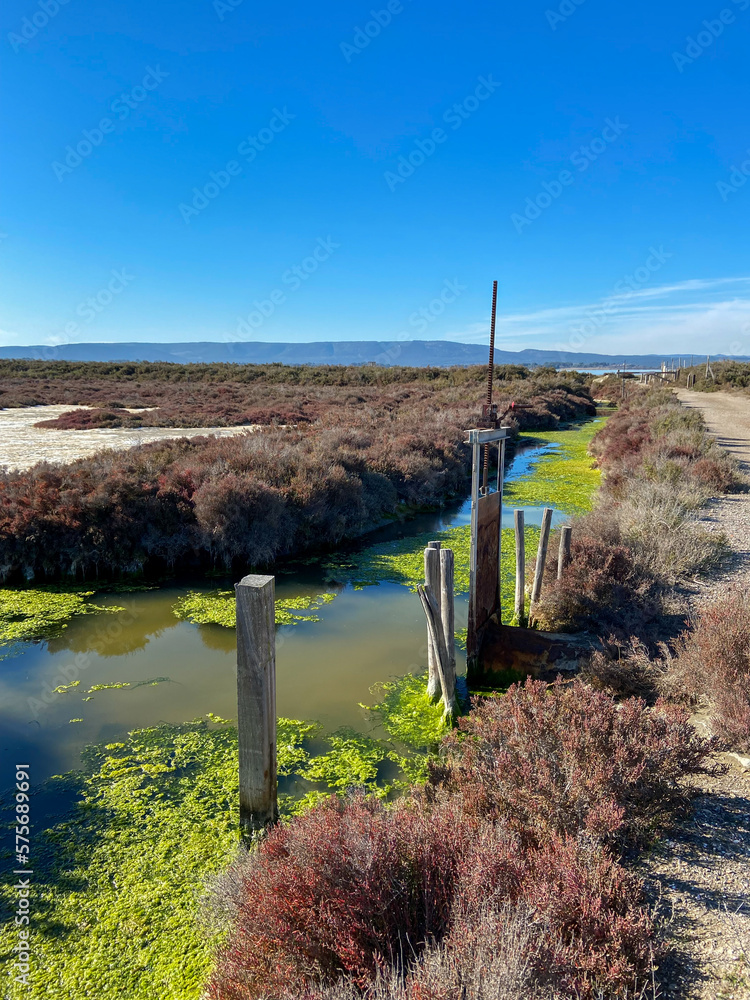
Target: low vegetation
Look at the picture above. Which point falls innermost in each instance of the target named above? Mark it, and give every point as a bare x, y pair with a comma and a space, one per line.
660, 468
723, 375
370, 446
358, 892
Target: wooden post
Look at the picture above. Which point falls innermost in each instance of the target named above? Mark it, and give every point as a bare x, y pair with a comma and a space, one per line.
432, 580
541, 557
563, 557
435, 628
520, 568
256, 702
447, 619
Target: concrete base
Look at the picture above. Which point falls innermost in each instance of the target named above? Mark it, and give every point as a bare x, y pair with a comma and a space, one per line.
509, 654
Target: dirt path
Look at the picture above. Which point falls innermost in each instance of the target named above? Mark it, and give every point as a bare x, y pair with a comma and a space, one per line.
701, 874
728, 418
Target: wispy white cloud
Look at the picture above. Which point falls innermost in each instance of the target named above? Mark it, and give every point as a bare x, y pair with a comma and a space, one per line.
700, 316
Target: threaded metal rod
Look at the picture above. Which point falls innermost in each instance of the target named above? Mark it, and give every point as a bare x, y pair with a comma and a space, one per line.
490, 369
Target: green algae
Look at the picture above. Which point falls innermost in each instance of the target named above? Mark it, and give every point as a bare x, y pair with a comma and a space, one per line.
117, 883
64, 688
402, 561
352, 762
43, 613
407, 714
565, 476
218, 608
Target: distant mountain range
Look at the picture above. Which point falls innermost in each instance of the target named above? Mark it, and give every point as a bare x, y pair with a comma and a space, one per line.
418, 353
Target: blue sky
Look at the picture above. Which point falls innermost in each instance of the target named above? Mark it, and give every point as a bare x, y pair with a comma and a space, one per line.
217, 170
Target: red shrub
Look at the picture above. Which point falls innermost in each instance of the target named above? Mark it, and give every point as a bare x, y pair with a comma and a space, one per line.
348, 888
586, 909
569, 761
81, 420
713, 662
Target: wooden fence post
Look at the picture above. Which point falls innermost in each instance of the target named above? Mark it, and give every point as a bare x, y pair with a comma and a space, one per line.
432, 579
448, 618
520, 568
256, 702
541, 557
563, 557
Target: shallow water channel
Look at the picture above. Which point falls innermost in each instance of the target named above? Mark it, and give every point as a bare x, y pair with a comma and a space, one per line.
176, 671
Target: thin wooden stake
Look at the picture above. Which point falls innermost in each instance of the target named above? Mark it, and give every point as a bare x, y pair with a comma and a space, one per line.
432, 580
520, 568
541, 556
256, 702
563, 557
434, 626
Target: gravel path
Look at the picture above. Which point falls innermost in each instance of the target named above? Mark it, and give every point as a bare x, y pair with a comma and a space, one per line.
727, 416
23, 445
700, 876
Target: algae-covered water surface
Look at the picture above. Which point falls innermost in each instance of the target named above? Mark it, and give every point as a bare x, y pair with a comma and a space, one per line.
130, 697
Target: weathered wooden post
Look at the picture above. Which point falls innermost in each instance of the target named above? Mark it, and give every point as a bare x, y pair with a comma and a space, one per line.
563, 557
256, 702
437, 635
448, 618
520, 568
541, 557
432, 579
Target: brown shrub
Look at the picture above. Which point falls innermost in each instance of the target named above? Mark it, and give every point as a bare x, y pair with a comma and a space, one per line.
625, 670
713, 663
602, 588
569, 761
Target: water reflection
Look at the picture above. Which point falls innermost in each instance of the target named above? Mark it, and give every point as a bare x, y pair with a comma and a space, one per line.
176, 671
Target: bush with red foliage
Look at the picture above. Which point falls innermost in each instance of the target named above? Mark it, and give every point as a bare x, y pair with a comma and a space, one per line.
586, 910
713, 664
360, 890
349, 888
569, 761
509, 845
83, 420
